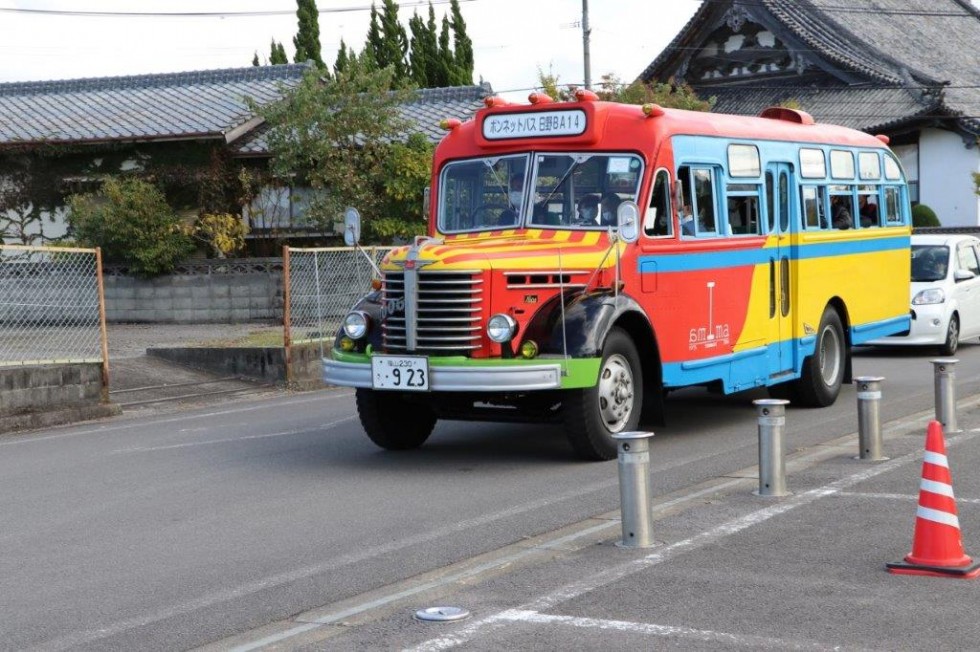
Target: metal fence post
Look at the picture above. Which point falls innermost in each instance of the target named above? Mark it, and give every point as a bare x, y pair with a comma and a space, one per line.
869, 418
634, 488
945, 384
772, 455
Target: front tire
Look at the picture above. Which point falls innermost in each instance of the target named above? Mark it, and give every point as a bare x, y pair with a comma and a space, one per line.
823, 372
952, 337
592, 415
393, 422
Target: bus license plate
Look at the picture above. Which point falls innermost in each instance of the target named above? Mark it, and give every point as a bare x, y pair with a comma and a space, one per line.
400, 372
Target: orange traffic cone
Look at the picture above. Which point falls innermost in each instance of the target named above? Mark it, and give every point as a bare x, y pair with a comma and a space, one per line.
937, 548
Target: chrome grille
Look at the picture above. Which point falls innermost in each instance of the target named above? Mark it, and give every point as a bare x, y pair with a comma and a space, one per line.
448, 319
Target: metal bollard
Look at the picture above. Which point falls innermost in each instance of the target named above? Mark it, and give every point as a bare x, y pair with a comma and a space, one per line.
634, 489
945, 379
869, 418
772, 455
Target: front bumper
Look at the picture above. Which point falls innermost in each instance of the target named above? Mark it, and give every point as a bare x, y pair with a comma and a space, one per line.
928, 327
459, 374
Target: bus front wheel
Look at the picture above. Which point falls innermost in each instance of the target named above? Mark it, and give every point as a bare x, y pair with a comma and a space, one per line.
593, 415
391, 421
823, 372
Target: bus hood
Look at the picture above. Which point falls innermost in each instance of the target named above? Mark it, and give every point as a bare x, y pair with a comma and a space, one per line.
535, 250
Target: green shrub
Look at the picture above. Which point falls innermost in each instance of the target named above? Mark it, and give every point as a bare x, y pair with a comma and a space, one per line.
132, 223
922, 215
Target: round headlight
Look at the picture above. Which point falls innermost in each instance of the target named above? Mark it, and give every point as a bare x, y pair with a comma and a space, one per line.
501, 328
356, 324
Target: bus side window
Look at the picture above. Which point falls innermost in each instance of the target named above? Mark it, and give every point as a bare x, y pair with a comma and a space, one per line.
704, 202
814, 208
743, 209
893, 213
658, 221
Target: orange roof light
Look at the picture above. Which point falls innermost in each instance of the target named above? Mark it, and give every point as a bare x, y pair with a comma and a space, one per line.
450, 123
883, 138
585, 95
539, 98
653, 110
494, 100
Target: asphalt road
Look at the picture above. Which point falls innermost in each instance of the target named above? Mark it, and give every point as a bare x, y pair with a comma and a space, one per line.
173, 531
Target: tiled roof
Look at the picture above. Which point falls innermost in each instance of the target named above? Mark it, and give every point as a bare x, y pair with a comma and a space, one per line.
900, 47
207, 103
425, 112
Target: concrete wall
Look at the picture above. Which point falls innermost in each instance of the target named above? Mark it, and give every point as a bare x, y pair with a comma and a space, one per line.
264, 364
34, 397
195, 298
945, 184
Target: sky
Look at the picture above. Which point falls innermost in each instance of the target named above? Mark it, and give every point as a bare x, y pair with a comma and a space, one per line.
512, 39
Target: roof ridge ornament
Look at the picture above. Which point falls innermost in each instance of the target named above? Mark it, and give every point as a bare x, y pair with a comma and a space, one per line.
736, 17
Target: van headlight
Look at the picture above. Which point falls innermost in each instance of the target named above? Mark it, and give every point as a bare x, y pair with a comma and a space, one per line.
356, 324
926, 297
501, 328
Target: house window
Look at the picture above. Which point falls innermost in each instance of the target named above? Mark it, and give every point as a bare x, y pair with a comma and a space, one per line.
279, 208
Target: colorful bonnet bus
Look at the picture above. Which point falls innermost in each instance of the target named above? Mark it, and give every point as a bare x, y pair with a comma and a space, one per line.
586, 257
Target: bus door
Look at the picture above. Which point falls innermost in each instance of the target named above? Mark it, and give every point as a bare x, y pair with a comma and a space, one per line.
780, 328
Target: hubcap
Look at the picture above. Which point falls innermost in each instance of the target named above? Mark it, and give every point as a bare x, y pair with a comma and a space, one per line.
830, 356
615, 392
954, 334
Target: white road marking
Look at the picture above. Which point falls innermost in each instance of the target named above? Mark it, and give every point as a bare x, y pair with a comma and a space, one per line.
226, 440
908, 497
669, 631
707, 537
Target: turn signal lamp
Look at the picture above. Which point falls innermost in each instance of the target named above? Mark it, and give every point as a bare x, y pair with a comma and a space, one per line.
539, 98
529, 349
585, 95
450, 123
653, 110
346, 344
375, 283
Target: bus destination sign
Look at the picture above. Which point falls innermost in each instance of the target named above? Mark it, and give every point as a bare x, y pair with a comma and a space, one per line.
534, 125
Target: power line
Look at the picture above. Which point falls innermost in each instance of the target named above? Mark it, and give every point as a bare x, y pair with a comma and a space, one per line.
206, 14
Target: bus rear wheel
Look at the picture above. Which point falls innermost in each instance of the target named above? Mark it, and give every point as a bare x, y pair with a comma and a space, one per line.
593, 415
823, 372
393, 422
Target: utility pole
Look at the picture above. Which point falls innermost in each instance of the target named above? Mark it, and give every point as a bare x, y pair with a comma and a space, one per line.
585, 44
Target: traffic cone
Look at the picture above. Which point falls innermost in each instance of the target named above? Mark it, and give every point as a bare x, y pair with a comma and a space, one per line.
937, 548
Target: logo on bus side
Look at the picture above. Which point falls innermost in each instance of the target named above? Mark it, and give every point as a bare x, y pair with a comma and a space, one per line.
713, 334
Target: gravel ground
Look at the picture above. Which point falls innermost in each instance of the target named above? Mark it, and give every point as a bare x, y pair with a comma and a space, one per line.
132, 340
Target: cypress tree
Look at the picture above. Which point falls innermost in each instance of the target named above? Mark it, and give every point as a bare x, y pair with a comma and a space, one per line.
424, 52
394, 41
277, 54
307, 39
374, 46
445, 68
463, 53
343, 59
255, 60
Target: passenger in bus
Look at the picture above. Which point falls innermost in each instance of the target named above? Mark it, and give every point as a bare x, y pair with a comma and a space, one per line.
687, 220
868, 211
609, 205
588, 210
840, 216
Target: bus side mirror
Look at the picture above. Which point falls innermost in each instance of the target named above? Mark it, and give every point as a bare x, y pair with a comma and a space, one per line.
352, 226
628, 218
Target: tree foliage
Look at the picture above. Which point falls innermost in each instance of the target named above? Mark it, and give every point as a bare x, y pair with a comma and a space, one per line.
223, 233
336, 135
30, 192
307, 39
277, 54
923, 215
976, 178
611, 89
132, 223
462, 48
387, 40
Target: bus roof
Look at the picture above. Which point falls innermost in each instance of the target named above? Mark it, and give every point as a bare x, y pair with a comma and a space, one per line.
589, 124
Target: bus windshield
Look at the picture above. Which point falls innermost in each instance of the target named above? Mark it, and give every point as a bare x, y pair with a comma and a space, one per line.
576, 191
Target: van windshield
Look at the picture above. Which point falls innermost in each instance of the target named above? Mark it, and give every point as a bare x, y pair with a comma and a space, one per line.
929, 262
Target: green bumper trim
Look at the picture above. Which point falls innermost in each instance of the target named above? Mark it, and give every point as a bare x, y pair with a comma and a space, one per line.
577, 373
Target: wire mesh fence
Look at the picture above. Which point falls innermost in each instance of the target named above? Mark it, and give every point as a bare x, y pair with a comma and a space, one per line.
51, 306
322, 285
